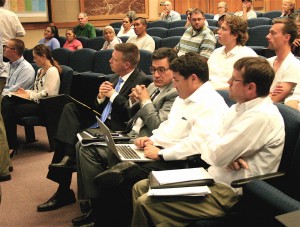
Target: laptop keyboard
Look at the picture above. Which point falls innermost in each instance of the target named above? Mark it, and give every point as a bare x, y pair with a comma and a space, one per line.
128, 152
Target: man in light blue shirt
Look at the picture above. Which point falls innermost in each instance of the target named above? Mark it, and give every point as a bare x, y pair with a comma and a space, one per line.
21, 73
168, 14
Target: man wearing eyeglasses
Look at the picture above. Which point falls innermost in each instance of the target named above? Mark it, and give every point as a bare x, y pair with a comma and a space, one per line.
21, 73
148, 107
198, 38
193, 115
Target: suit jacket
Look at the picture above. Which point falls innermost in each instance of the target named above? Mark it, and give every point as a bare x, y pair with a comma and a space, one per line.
153, 113
119, 114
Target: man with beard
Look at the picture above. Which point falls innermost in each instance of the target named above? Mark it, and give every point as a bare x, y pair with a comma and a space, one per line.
197, 38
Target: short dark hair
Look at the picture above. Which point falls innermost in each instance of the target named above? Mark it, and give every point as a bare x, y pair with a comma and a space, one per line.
2, 3
289, 27
197, 11
142, 20
256, 70
54, 31
164, 52
130, 52
19, 46
191, 63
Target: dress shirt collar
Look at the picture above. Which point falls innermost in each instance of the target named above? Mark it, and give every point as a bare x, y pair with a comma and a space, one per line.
16, 63
234, 51
125, 77
242, 107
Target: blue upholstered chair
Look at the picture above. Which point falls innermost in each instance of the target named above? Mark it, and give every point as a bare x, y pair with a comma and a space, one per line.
52, 107
99, 32
212, 22
158, 23
170, 41
116, 24
157, 41
28, 55
124, 38
272, 14
259, 21
96, 43
62, 55
62, 40
145, 61
84, 40
158, 31
82, 60
177, 23
209, 15
178, 31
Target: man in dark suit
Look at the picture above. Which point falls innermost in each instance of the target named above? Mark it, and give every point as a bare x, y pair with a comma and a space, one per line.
148, 107
111, 99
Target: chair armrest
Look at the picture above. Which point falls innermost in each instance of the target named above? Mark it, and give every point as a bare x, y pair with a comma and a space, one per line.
269, 176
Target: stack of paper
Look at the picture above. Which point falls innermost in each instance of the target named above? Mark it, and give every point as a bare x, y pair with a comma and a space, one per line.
188, 182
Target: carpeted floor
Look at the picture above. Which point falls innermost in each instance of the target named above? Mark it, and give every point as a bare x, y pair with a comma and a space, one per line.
29, 187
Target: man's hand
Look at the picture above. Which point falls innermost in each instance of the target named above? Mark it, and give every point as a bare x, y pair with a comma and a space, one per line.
296, 42
151, 152
142, 142
105, 89
277, 90
139, 93
238, 164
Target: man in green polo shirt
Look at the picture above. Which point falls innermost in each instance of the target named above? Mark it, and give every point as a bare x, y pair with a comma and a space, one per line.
84, 28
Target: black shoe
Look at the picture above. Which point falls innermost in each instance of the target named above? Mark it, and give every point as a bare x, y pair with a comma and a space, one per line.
86, 219
66, 162
85, 206
11, 169
11, 155
5, 177
58, 201
117, 174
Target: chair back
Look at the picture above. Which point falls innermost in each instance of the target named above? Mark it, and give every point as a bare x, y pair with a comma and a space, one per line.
62, 40
158, 23
84, 40
96, 43
82, 60
101, 64
66, 78
257, 35
183, 16
158, 31
28, 55
157, 41
117, 30
177, 23
123, 38
272, 14
212, 22
99, 32
62, 55
178, 31
209, 15
225, 95
145, 61
258, 14
116, 24
253, 22
170, 41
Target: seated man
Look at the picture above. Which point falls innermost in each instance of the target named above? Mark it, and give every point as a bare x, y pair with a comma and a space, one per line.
233, 36
247, 12
141, 39
169, 14
84, 28
195, 114
286, 66
198, 38
253, 129
21, 72
148, 110
113, 95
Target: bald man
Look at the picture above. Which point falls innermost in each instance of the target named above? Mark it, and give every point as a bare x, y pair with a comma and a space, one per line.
169, 14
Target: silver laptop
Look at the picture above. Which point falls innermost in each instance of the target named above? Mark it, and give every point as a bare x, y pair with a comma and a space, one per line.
124, 152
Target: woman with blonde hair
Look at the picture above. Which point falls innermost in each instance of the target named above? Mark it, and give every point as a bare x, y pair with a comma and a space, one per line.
24, 103
288, 8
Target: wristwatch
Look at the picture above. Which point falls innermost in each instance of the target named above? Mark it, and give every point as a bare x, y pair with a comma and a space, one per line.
160, 155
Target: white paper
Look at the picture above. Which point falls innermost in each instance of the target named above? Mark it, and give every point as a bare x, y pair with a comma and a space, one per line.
181, 175
184, 191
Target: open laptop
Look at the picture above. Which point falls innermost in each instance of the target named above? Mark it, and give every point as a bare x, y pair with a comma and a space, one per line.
124, 152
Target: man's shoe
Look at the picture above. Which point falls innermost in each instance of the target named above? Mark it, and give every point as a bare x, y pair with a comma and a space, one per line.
86, 219
117, 174
66, 162
57, 201
5, 177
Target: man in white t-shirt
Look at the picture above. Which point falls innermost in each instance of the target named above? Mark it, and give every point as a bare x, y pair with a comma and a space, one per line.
233, 36
141, 39
285, 64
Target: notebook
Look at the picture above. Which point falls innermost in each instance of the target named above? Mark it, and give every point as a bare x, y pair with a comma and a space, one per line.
124, 152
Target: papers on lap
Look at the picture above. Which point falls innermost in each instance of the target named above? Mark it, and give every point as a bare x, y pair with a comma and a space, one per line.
180, 182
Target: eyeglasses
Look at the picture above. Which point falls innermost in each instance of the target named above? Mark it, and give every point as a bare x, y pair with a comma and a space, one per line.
197, 19
235, 80
160, 70
7, 47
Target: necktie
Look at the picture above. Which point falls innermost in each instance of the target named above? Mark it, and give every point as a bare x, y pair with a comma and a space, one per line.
107, 108
155, 94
